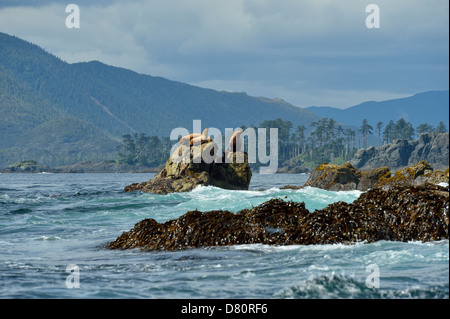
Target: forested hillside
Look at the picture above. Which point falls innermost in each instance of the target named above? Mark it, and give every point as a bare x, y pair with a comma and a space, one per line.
43, 100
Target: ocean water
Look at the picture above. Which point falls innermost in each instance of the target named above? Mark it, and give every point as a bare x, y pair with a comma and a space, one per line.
52, 222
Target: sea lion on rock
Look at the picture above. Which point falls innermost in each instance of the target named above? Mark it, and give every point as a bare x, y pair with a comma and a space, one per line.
188, 139
201, 139
235, 143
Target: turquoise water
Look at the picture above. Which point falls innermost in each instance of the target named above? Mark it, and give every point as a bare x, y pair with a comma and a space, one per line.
50, 221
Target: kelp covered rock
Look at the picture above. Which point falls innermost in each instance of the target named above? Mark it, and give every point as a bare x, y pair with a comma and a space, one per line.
400, 214
345, 177
189, 169
414, 175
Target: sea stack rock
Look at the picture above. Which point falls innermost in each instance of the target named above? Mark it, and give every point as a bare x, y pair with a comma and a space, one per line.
195, 165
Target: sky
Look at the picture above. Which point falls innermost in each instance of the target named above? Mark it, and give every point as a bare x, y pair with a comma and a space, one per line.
306, 52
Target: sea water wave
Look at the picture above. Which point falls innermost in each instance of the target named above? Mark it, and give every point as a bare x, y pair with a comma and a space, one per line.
206, 198
344, 287
48, 221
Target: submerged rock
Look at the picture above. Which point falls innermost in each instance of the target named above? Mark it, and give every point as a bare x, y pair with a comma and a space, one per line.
189, 169
400, 214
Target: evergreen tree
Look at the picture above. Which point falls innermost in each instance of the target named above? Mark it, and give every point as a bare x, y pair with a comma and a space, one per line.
300, 136
424, 128
365, 130
143, 150
378, 130
441, 128
388, 131
403, 130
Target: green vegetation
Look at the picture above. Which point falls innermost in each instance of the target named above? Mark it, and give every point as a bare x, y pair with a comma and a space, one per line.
24, 166
143, 150
325, 141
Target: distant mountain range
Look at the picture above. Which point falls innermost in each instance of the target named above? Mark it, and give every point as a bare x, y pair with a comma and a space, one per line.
59, 113
428, 107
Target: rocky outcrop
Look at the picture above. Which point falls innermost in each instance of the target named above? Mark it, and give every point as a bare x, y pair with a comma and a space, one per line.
189, 169
415, 175
400, 214
334, 177
346, 177
430, 147
370, 179
29, 166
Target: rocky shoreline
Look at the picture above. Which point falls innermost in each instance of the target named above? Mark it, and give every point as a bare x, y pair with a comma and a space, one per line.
82, 167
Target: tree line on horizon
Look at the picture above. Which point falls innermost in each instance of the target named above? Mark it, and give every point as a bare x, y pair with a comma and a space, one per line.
324, 140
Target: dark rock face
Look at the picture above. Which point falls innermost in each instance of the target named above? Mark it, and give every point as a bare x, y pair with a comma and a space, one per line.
433, 148
430, 147
370, 179
346, 177
232, 172
408, 176
334, 177
400, 214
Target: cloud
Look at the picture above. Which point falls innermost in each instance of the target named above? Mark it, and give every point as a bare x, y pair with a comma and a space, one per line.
296, 49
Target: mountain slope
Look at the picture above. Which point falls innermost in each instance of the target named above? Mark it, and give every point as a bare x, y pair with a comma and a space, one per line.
122, 101
39, 90
428, 107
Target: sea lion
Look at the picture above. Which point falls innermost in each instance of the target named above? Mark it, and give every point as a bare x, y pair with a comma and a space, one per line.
196, 138
186, 139
199, 140
202, 138
235, 143
205, 133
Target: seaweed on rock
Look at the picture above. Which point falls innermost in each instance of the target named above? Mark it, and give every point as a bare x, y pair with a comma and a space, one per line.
400, 214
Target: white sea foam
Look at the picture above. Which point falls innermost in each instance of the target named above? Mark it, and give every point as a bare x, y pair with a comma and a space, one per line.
45, 238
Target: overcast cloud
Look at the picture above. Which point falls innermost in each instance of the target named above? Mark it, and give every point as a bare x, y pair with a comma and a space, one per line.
314, 52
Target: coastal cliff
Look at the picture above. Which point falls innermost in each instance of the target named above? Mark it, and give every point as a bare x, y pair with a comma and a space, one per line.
430, 147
